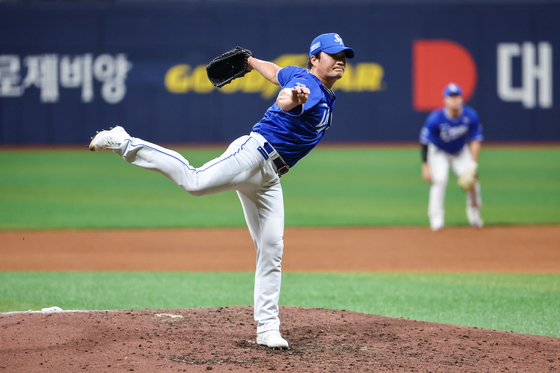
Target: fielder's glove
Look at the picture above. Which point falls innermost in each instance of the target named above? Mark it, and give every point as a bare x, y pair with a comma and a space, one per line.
228, 66
468, 179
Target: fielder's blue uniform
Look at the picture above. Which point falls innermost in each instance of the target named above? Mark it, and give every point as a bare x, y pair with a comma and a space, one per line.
295, 133
446, 140
451, 134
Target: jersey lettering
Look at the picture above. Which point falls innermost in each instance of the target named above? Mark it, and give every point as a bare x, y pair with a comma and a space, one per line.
326, 120
449, 133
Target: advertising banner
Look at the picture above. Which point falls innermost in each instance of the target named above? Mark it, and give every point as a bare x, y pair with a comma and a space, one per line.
69, 69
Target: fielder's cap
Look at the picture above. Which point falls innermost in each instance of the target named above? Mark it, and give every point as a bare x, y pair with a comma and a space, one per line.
330, 43
452, 89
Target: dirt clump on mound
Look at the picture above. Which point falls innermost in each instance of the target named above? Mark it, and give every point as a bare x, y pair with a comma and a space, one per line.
223, 340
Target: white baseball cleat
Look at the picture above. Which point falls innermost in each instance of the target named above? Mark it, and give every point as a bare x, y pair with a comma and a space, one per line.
474, 218
477, 222
108, 140
272, 339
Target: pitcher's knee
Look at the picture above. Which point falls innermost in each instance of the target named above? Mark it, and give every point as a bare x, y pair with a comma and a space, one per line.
273, 252
195, 192
195, 189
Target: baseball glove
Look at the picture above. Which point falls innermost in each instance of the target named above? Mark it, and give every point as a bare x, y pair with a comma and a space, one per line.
468, 179
228, 66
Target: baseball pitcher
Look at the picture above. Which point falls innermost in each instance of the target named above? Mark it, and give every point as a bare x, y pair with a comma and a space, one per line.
451, 137
253, 164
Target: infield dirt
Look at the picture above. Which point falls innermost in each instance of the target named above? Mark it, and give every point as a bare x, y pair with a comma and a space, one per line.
223, 340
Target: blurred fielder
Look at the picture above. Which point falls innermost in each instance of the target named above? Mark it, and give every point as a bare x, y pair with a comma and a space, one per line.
451, 136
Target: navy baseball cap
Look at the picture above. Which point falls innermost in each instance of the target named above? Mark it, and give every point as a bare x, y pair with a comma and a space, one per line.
452, 89
330, 43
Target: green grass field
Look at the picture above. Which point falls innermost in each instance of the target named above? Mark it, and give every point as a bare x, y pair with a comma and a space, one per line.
520, 303
77, 189
330, 187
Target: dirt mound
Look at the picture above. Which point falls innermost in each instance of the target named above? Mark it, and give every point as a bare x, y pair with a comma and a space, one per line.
223, 340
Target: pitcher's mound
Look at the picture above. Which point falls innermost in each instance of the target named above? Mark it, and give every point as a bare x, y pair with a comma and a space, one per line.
223, 340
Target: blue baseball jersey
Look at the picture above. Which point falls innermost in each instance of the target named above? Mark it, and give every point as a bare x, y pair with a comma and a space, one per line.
296, 132
451, 134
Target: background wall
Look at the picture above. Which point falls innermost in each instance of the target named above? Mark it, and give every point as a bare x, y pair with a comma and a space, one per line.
68, 69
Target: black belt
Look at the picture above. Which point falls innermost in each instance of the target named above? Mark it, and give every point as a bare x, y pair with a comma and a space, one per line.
269, 152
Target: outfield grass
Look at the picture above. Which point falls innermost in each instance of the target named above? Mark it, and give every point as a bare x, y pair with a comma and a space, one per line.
519, 303
330, 187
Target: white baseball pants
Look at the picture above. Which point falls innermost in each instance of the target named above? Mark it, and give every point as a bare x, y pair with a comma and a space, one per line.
242, 168
439, 162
